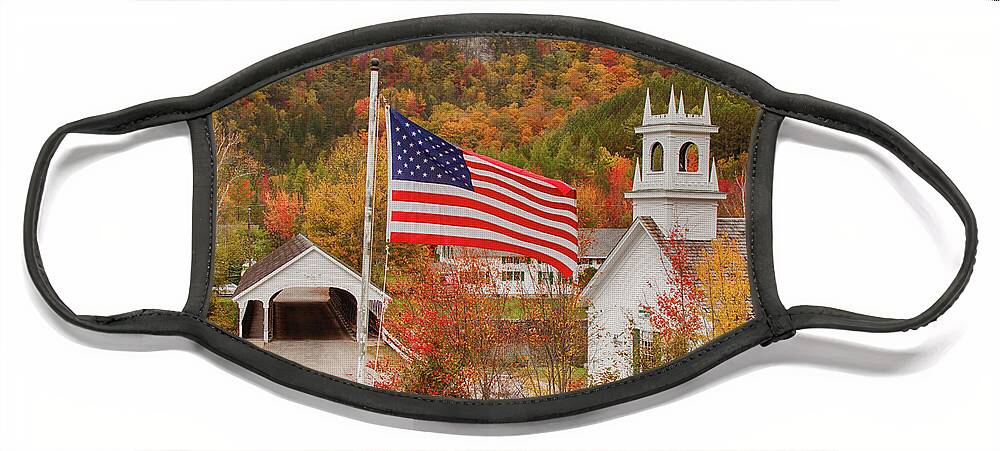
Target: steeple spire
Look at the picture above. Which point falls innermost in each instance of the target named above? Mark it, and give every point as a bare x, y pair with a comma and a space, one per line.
706, 112
680, 106
648, 111
713, 178
672, 106
637, 175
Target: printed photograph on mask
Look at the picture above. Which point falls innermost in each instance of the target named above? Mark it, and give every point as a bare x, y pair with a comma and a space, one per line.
546, 216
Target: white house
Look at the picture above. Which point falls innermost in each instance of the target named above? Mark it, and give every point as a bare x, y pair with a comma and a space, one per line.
675, 187
523, 276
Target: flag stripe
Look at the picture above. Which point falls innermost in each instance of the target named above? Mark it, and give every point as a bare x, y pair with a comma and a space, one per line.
496, 195
536, 197
439, 209
535, 185
447, 199
496, 245
465, 221
563, 188
485, 187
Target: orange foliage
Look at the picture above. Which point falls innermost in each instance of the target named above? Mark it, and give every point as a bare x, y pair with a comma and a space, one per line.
281, 213
455, 331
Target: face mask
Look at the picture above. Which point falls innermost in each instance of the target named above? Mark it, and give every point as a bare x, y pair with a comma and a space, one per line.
559, 215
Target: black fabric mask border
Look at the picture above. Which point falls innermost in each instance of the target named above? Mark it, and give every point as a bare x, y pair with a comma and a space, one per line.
772, 323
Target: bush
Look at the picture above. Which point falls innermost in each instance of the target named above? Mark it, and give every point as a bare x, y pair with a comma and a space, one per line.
223, 313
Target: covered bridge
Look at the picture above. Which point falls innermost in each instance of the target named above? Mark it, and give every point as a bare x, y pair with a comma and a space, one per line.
326, 308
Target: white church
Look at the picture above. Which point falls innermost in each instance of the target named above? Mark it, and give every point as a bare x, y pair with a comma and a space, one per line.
674, 187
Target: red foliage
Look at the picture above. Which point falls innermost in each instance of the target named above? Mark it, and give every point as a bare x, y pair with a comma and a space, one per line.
692, 162
240, 193
616, 207
607, 57
677, 314
281, 212
455, 333
733, 204
361, 107
475, 68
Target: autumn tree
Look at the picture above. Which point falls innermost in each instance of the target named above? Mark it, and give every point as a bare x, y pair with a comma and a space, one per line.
234, 168
725, 285
617, 208
555, 332
678, 314
459, 339
706, 295
333, 212
281, 213
732, 181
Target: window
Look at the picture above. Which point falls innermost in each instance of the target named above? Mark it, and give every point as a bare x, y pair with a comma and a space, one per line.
656, 158
688, 158
644, 339
647, 350
512, 276
446, 252
511, 259
546, 277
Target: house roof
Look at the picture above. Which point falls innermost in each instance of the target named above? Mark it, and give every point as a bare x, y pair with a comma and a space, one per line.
598, 243
273, 261
733, 228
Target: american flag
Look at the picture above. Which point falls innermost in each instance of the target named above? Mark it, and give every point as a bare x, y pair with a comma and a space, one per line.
443, 195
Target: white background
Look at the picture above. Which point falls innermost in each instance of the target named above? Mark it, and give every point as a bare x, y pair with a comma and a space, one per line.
852, 229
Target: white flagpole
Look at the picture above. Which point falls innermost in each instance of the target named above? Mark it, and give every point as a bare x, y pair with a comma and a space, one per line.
388, 177
366, 260
388, 217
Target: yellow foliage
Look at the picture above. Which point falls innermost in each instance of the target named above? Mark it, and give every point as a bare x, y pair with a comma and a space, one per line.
333, 214
726, 286
334, 218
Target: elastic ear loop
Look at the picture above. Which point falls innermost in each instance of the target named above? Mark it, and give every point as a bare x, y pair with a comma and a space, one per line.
858, 123
130, 322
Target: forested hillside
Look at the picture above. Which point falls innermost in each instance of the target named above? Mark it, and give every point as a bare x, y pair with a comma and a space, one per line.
292, 153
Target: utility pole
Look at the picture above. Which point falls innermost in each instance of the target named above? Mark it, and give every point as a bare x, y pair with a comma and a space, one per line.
249, 242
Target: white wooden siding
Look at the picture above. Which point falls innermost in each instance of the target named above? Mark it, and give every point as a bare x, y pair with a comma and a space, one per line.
636, 280
311, 269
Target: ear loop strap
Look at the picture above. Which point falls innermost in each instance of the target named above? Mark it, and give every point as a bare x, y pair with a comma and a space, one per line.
855, 122
148, 321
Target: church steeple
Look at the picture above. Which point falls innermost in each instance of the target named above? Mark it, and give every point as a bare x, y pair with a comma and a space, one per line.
675, 178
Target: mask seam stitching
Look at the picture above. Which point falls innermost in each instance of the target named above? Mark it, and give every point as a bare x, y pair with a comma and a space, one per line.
769, 316
753, 221
211, 216
690, 357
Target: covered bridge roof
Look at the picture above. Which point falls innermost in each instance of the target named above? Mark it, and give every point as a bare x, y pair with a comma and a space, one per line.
273, 261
